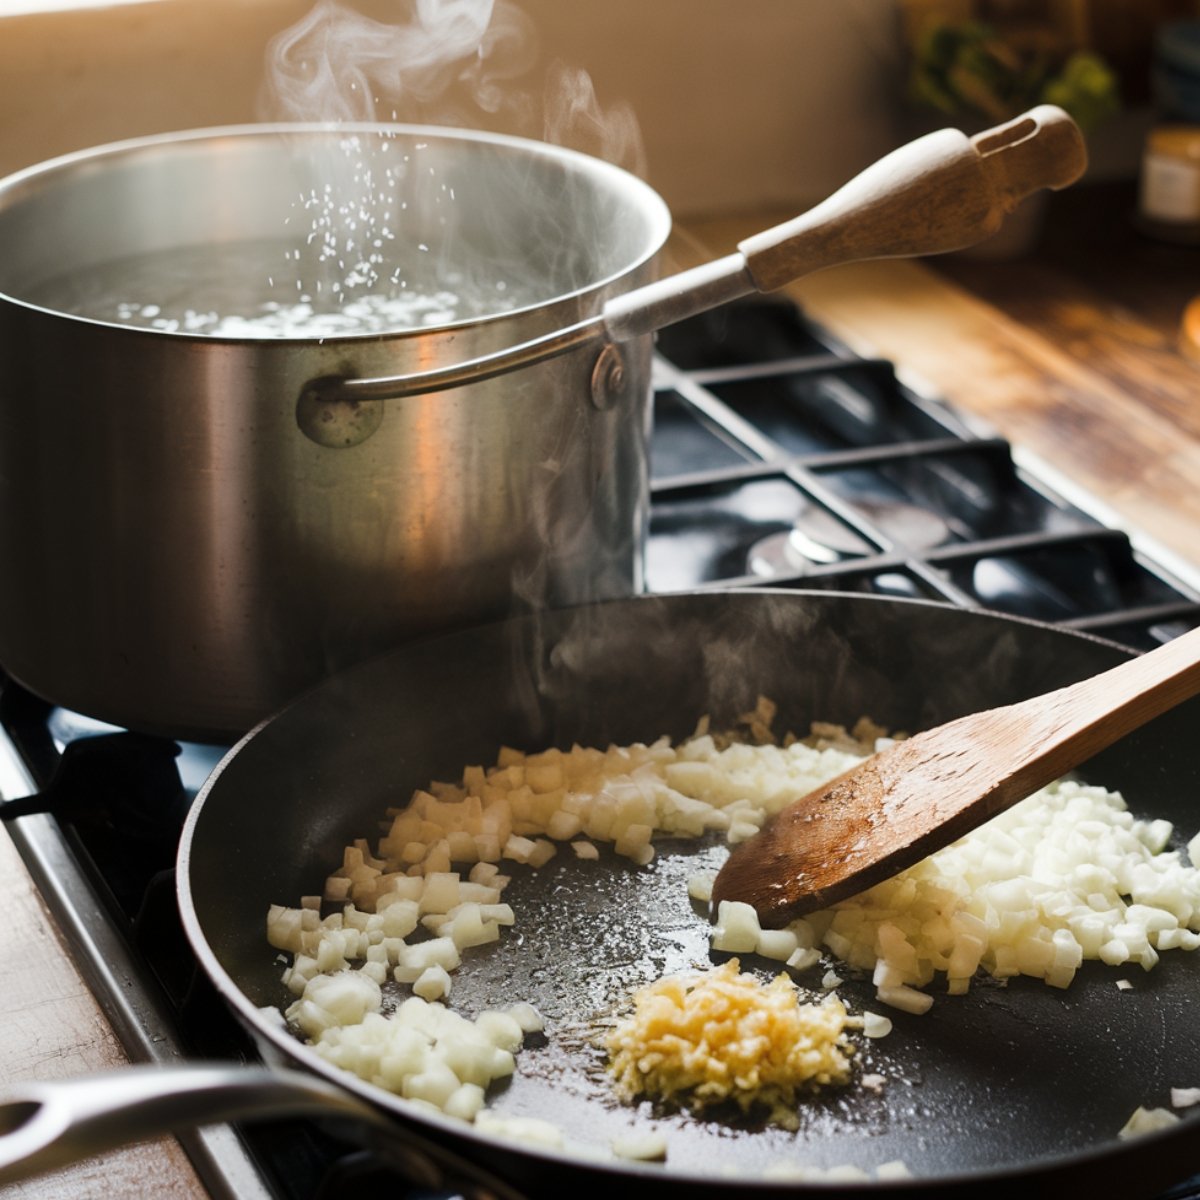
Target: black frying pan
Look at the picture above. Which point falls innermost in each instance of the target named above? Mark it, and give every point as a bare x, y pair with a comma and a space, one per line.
1000, 1088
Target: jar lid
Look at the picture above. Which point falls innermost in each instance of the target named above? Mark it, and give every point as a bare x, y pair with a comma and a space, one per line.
1175, 141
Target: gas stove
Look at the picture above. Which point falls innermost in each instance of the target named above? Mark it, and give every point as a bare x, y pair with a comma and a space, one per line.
778, 458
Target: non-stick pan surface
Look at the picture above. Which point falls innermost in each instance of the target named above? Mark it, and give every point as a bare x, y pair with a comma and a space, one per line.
1020, 1079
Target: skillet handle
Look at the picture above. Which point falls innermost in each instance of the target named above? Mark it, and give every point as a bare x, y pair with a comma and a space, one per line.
48, 1125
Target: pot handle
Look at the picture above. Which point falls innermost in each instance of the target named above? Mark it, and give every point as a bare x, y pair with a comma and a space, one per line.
48, 1125
942, 192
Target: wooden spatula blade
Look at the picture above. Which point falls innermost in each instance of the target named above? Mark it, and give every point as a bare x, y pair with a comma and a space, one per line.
866, 825
919, 795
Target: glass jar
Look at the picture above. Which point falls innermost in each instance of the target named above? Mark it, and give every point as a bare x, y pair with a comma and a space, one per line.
1169, 193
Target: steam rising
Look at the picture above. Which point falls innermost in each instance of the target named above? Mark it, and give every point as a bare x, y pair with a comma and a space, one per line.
574, 117
539, 234
467, 63
459, 63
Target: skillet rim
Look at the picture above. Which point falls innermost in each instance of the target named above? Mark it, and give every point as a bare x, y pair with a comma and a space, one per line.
988, 1181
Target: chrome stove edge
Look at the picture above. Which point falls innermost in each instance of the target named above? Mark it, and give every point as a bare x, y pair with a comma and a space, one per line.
138, 1016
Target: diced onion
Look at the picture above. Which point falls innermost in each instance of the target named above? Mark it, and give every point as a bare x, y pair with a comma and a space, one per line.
1067, 876
641, 1147
1147, 1120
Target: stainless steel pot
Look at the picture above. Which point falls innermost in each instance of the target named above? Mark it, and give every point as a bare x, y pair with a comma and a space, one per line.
194, 528
186, 547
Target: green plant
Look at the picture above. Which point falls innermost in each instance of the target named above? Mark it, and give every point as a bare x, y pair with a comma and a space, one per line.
967, 70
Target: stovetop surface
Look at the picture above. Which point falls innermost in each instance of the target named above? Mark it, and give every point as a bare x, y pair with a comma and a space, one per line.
777, 458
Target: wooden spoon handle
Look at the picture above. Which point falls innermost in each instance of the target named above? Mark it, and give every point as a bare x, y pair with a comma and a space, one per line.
942, 192
1068, 726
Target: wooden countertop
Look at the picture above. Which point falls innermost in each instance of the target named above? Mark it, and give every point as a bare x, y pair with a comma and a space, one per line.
1071, 354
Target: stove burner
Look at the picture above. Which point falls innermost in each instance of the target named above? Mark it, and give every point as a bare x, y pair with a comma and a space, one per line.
819, 538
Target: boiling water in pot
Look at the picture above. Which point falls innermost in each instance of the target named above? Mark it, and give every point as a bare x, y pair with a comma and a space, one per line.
275, 289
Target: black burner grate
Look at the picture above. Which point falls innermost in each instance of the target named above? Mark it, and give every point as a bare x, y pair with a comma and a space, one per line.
779, 458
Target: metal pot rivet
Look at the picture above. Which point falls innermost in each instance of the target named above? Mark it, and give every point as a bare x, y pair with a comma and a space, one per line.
608, 377
337, 424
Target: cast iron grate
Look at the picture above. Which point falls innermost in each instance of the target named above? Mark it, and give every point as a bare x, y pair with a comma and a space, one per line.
778, 458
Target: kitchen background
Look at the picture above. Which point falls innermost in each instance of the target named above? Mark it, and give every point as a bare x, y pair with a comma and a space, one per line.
745, 108
740, 106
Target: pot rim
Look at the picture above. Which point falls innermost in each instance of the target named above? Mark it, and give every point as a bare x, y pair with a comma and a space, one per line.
92, 158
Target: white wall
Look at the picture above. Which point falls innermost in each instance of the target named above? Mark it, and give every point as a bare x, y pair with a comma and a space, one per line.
741, 103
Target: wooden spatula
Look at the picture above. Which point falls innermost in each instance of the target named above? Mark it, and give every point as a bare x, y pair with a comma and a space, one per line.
921, 794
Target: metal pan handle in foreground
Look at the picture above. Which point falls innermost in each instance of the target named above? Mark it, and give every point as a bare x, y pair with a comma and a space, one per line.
44, 1126
943, 192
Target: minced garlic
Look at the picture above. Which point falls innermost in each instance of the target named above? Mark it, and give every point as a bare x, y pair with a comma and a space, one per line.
723, 1036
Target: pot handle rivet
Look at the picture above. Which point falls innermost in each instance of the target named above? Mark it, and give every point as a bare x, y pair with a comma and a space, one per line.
336, 423
608, 377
